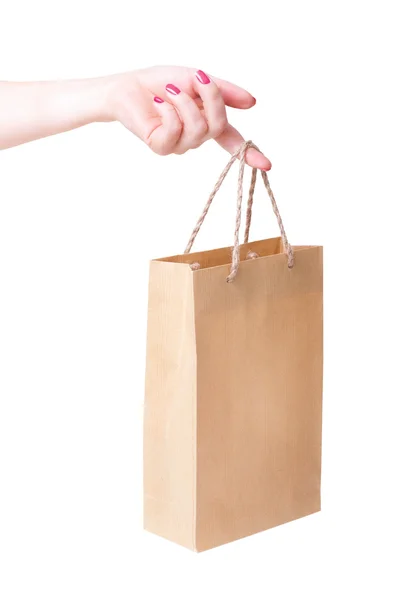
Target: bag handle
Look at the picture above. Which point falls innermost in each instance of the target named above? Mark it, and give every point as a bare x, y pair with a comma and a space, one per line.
241, 154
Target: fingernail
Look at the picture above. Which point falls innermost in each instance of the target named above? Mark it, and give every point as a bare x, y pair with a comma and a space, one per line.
158, 100
172, 89
202, 77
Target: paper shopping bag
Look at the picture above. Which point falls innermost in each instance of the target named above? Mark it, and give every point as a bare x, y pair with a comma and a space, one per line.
233, 407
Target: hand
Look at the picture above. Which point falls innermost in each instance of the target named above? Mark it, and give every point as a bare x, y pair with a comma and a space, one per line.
175, 109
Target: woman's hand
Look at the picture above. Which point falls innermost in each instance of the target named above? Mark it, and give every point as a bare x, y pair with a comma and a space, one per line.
172, 109
175, 109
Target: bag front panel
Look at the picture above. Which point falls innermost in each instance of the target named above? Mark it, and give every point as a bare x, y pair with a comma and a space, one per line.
259, 395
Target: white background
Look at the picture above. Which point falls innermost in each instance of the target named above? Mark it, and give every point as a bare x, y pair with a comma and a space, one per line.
82, 213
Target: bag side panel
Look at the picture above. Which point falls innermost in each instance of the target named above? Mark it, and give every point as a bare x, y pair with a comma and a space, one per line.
170, 407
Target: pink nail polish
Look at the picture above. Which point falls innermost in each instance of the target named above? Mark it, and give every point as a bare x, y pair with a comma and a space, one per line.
172, 89
158, 100
202, 77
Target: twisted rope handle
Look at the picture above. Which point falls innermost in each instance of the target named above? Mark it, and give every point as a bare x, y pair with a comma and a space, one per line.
241, 154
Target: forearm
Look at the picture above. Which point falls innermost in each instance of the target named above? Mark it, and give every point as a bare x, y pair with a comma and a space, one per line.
29, 111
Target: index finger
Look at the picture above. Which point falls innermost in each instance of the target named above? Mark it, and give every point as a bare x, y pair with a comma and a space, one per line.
233, 95
231, 140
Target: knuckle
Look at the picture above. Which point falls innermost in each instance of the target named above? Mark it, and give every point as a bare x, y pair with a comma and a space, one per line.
199, 129
175, 128
181, 151
218, 127
161, 150
149, 141
160, 145
214, 92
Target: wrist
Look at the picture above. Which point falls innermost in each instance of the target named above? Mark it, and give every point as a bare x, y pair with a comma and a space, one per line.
119, 91
75, 103
96, 99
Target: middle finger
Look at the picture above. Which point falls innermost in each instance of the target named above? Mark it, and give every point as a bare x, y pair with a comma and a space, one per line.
194, 123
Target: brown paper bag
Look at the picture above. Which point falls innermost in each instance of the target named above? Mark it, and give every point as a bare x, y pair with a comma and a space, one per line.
232, 432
